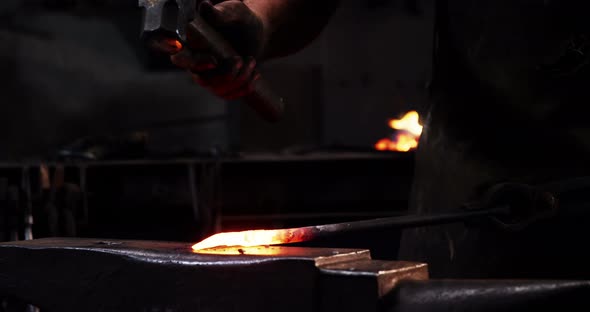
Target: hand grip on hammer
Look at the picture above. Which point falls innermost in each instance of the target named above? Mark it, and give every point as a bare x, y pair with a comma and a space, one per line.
202, 37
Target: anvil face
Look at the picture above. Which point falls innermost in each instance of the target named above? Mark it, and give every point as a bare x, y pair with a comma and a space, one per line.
113, 275
173, 252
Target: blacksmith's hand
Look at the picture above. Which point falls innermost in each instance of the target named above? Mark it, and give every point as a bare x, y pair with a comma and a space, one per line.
230, 78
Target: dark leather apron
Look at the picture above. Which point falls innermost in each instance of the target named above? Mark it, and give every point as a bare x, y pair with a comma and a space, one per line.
510, 96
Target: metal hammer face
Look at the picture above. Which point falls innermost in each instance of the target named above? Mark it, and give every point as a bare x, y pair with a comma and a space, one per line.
166, 19
165, 27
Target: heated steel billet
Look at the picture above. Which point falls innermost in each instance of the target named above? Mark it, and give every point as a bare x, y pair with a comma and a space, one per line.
509, 206
310, 233
488, 296
113, 275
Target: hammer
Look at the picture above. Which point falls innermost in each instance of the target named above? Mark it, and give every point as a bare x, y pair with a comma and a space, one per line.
171, 24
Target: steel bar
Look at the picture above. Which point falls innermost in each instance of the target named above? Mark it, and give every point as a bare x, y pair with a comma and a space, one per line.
310, 233
407, 221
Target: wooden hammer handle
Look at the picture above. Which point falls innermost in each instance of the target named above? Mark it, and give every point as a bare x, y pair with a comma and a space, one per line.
202, 37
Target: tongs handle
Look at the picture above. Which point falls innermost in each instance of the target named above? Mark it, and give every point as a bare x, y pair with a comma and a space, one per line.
202, 37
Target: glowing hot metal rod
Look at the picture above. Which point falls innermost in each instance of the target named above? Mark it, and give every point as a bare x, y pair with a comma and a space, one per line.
511, 206
309, 233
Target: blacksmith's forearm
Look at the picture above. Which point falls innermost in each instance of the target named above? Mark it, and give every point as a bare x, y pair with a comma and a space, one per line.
290, 25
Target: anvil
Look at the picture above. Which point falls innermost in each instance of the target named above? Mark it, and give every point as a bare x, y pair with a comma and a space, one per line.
114, 275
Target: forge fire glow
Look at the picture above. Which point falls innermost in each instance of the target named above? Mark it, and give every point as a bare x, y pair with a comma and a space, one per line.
409, 131
255, 238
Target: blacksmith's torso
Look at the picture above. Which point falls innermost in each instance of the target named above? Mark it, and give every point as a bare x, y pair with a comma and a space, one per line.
510, 103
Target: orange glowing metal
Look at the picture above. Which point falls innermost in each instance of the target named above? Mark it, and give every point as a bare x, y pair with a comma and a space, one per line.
255, 238
236, 251
166, 45
175, 44
249, 242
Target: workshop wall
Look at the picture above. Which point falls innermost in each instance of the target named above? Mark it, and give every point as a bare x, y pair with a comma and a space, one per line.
75, 69
375, 61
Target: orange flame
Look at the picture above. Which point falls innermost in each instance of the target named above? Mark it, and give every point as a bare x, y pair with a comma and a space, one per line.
403, 143
407, 139
255, 238
410, 123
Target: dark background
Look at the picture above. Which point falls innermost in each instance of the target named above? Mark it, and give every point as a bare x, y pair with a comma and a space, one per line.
175, 163
77, 68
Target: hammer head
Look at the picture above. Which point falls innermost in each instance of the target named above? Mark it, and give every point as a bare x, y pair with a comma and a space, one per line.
165, 21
